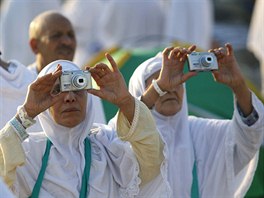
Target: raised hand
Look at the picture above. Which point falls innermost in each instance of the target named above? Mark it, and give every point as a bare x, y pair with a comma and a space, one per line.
171, 74
39, 97
113, 87
228, 72
111, 82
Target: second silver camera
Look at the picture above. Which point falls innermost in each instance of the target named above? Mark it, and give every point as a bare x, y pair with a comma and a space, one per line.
202, 61
75, 80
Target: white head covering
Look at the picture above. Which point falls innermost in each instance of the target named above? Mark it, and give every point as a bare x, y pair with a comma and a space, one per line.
178, 152
60, 135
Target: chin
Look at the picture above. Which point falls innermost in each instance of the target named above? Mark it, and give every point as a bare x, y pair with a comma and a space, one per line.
169, 111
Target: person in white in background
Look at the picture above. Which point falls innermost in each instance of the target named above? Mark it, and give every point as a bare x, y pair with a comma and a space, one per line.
225, 151
255, 41
14, 81
16, 16
84, 16
129, 24
189, 21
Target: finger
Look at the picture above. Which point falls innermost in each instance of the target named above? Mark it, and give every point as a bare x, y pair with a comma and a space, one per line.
99, 69
166, 52
96, 92
104, 68
229, 49
216, 75
87, 67
188, 75
174, 52
112, 62
182, 54
191, 49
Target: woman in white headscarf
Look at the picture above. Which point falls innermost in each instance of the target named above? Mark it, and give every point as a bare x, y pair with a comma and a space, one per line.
225, 151
73, 157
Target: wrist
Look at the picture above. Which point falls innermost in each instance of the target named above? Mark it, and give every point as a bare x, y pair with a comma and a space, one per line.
23, 117
240, 88
157, 88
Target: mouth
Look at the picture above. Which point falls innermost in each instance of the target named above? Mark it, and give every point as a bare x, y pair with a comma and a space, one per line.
170, 99
70, 110
65, 51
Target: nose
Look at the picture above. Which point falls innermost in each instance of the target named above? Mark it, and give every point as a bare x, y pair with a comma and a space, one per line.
70, 97
67, 40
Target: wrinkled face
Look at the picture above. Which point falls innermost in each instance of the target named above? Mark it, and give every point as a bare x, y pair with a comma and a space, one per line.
71, 109
170, 103
56, 41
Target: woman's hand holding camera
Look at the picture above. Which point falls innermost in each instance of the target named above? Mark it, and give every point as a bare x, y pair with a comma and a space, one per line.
171, 74
38, 97
230, 74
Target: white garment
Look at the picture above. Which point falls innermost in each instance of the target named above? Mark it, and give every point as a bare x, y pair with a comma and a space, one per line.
13, 90
255, 41
189, 21
114, 168
4, 190
16, 16
33, 68
131, 24
225, 151
84, 16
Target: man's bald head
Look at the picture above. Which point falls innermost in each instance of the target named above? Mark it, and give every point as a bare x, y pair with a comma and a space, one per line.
43, 21
51, 38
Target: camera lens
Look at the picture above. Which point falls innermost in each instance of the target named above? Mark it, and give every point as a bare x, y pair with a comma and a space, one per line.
79, 81
206, 61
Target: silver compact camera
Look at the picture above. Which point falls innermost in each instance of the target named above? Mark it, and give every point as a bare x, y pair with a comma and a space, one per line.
202, 61
75, 80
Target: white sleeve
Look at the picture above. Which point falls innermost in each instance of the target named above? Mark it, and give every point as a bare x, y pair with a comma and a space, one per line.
227, 152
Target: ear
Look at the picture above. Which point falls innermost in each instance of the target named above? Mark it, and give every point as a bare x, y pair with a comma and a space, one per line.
34, 45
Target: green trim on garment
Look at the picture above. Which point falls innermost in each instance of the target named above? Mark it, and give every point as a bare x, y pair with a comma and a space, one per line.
85, 176
37, 186
195, 186
86, 172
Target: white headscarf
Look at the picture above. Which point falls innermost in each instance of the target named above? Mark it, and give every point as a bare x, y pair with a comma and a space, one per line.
178, 152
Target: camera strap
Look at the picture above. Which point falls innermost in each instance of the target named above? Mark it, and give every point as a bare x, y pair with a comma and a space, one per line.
85, 176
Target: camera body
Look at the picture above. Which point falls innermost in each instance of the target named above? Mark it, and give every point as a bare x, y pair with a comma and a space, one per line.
75, 80
202, 61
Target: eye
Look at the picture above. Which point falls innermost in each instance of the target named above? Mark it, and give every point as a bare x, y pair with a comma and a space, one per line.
55, 36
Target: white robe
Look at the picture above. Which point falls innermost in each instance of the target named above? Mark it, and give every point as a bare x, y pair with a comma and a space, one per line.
255, 41
16, 16
131, 24
225, 151
13, 90
189, 21
89, 13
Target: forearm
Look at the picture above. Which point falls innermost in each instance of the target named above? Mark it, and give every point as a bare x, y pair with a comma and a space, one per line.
243, 98
11, 153
127, 107
145, 140
149, 97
